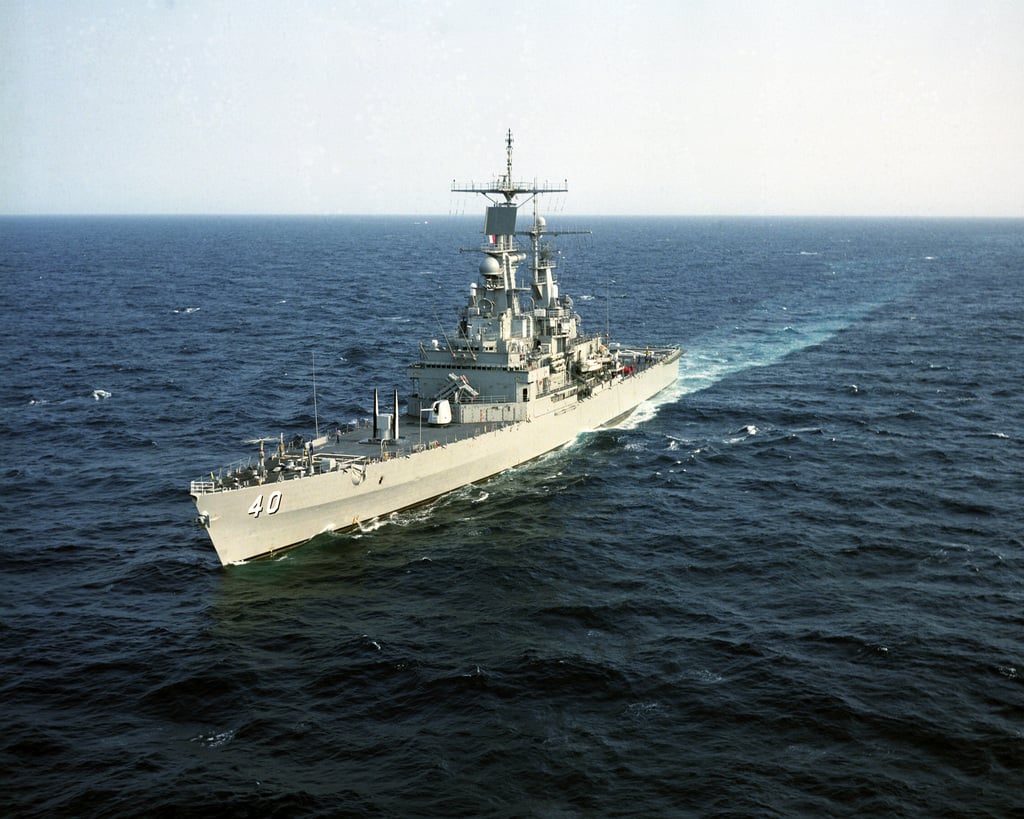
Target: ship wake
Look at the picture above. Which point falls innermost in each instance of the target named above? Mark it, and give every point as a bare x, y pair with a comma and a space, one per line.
717, 355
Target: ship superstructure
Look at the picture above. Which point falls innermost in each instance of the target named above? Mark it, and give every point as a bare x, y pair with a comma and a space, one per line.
516, 378
516, 344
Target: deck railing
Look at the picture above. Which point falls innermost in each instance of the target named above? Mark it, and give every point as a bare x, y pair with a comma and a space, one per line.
229, 479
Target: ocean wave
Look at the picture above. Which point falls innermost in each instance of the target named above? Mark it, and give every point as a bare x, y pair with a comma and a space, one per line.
647, 619
214, 739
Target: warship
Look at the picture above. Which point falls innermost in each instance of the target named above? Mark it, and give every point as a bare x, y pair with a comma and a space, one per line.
515, 379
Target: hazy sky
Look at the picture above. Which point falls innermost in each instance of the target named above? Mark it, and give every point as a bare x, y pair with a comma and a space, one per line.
675, 107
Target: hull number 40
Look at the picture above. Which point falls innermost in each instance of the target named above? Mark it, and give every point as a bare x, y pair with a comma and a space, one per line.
273, 505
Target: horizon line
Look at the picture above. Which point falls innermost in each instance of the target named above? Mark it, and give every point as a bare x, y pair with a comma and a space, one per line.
428, 216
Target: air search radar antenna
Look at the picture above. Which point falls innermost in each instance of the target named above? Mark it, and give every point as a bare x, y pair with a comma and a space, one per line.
505, 186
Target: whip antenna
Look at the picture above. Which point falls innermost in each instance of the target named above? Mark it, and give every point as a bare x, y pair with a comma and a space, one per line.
316, 417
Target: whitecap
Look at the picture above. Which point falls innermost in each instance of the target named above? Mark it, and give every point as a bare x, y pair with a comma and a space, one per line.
410, 517
214, 740
743, 434
643, 710
483, 496
99, 395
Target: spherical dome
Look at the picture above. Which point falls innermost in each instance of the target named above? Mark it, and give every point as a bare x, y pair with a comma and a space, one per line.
542, 222
490, 267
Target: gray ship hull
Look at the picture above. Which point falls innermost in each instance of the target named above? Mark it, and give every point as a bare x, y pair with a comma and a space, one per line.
265, 518
516, 377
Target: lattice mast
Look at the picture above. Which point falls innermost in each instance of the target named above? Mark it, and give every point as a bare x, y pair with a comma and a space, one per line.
505, 193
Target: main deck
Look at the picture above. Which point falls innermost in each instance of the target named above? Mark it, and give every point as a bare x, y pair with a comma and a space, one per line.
343, 448
357, 445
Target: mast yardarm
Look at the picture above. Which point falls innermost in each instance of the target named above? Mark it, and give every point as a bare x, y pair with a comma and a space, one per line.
508, 188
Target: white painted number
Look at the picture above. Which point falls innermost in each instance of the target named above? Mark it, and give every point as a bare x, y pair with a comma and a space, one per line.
273, 504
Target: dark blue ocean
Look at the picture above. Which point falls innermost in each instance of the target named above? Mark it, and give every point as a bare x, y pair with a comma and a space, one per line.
792, 585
